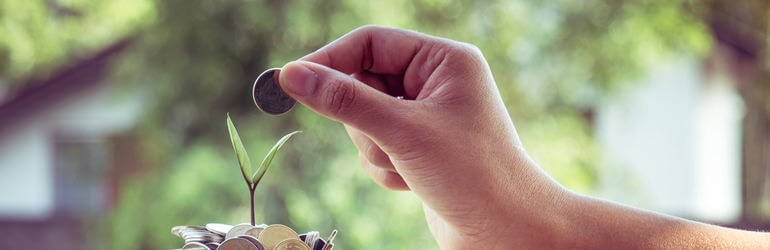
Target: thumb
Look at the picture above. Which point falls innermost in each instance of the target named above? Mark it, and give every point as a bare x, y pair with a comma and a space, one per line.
341, 97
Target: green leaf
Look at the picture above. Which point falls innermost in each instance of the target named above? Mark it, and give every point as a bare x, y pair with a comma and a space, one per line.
269, 158
240, 151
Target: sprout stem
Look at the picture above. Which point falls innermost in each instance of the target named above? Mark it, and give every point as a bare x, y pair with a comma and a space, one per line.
251, 191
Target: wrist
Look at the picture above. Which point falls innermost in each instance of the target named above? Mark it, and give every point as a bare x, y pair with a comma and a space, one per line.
533, 208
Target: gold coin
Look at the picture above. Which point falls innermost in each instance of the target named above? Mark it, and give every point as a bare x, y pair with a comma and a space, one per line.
237, 244
276, 233
238, 230
291, 244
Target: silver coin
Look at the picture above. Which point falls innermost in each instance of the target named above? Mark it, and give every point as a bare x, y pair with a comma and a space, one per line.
196, 246
241, 236
328, 244
331, 236
310, 238
254, 231
179, 230
319, 244
238, 230
237, 244
212, 245
218, 228
253, 240
268, 96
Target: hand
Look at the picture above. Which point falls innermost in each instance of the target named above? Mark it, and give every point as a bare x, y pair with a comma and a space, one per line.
449, 139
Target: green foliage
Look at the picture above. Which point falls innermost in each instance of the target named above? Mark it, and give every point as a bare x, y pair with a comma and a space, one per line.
193, 189
37, 35
240, 152
257, 176
250, 175
253, 176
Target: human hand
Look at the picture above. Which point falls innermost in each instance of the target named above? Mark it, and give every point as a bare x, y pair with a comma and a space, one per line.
449, 139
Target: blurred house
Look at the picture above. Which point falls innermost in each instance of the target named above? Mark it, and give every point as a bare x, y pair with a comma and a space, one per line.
55, 155
677, 138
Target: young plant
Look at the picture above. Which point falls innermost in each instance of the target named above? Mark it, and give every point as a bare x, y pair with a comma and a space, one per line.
250, 175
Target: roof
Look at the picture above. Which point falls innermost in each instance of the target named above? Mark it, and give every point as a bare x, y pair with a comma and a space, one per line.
39, 94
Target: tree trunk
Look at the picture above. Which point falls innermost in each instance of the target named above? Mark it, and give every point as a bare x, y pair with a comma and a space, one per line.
756, 164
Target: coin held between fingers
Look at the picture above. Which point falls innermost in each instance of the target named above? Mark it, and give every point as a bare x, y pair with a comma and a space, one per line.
268, 95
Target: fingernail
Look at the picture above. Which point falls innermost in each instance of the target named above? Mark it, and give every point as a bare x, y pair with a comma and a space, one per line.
298, 79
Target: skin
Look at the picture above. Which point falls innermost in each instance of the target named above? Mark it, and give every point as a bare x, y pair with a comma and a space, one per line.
451, 141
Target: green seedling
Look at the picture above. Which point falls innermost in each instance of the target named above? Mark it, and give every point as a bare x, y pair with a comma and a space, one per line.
250, 175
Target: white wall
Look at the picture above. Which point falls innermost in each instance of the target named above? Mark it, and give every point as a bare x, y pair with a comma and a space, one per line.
718, 150
676, 136
26, 189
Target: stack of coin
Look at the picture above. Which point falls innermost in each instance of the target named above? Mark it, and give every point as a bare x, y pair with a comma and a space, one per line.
192, 234
244, 236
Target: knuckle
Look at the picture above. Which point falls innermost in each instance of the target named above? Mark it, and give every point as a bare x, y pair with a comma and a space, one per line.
470, 51
367, 28
475, 50
339, 98
467, 58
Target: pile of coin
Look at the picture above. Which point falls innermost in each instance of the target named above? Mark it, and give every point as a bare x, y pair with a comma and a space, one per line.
244, 236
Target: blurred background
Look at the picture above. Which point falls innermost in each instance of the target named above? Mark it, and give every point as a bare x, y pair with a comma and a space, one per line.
112, 113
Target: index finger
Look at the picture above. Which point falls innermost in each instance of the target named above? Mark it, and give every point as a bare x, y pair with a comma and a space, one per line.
376, 49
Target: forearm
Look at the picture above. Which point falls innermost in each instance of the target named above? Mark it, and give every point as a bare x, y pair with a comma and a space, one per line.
541, 214
599, 224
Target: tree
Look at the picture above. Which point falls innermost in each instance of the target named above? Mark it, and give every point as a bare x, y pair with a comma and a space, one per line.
743, 30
